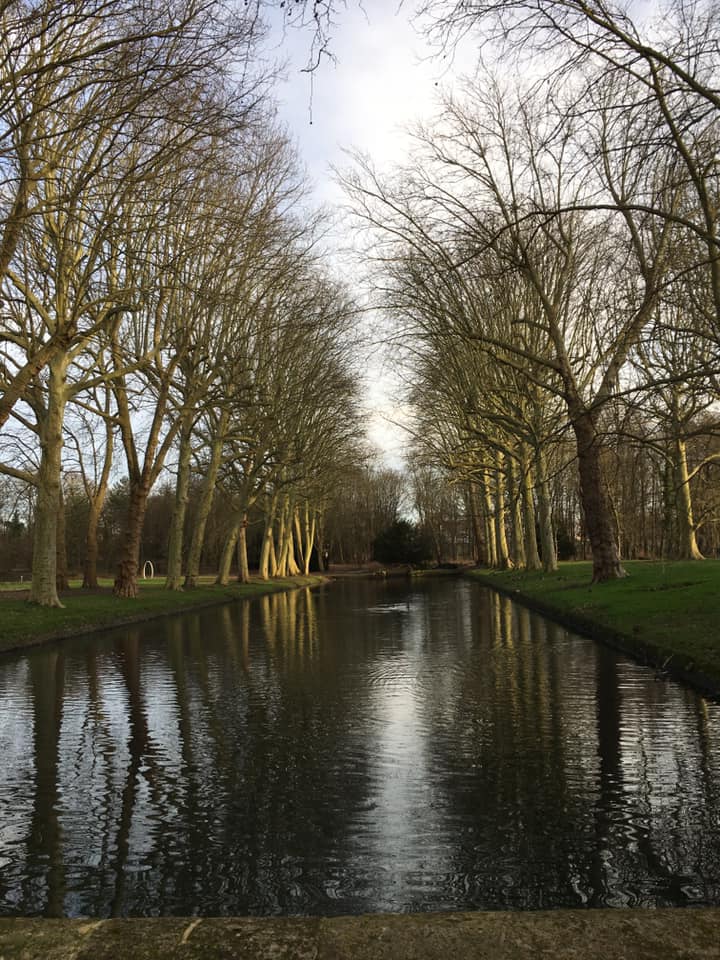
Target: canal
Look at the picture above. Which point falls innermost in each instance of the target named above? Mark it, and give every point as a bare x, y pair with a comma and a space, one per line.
369, 746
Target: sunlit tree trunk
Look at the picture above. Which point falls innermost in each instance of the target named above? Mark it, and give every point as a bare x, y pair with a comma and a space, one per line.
291, 565
489, 517
518, 533
309, 539
267, 552
687, 542
298, 537
503, 552
223, 574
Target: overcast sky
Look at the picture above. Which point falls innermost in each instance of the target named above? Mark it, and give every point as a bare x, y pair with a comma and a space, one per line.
382, 79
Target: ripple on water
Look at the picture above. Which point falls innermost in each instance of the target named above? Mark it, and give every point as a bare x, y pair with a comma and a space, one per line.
389, 746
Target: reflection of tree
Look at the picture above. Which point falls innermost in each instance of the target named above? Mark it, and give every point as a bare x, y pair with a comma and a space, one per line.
565, 767
504, 775
139, 750
47, 680
610, 792
98, 736
230, 762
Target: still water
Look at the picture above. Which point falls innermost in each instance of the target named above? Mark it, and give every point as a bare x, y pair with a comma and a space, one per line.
372, 746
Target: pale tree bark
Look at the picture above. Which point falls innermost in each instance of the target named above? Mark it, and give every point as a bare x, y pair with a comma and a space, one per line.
687, 542
223, 575
267, 552
287, 565
489, 518
515, 492
291, 564
532, 557
43, 590
503, 552
297, 529
309, 528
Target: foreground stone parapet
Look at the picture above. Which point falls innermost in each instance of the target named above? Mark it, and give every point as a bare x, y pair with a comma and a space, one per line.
672, 934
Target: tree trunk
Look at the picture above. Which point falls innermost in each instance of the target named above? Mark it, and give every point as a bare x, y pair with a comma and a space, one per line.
177, 522
687, 543
547, 533
96, 500
320, 540
489, 515
298, 537
61, 572
532, 557
223, 574
279, 566
242, 559
595, 501
192, 569
290, 561
515, 491
126, 579
267, 553
90, 580
309, 539
43, 589
474, 508
503, 553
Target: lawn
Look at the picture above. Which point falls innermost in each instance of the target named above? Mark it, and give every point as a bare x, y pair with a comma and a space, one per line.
666, 609
23, 624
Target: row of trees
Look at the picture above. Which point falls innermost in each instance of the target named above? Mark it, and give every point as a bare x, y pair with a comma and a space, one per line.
550, 260
362, 516
163, 296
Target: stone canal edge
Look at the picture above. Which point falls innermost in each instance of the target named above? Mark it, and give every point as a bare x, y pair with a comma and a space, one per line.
677, 933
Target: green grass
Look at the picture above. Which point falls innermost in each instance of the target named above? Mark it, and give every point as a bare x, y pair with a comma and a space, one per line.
23, 624
670, 609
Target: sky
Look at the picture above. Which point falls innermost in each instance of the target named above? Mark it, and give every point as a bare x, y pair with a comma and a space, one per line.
384, 76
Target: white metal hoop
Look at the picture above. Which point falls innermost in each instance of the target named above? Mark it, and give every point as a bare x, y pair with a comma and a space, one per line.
148, 563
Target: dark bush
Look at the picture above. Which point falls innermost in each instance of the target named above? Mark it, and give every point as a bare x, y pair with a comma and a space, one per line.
402, 542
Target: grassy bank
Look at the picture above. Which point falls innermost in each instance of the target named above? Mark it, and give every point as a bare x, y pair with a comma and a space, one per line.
25, 625
666, 613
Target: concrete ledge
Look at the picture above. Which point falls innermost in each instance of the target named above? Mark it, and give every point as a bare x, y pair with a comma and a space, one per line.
672, 934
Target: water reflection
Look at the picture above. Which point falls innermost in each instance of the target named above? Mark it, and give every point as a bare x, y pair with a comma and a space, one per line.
372, 746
